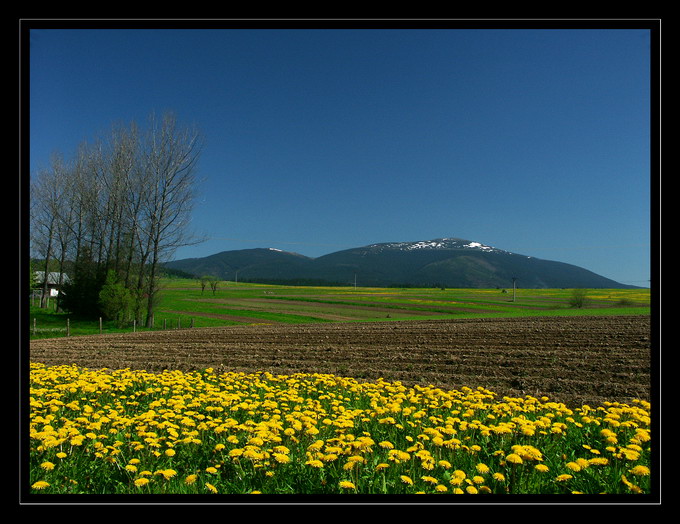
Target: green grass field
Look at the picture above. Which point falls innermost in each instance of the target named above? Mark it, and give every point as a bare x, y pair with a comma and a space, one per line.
183, 304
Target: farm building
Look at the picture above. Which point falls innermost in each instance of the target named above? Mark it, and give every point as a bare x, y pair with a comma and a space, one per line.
52, 281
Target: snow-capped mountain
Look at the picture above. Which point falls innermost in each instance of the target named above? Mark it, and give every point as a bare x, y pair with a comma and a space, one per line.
438, 243
443, 262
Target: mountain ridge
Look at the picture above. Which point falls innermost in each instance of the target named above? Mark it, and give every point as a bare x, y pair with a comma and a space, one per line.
441, 262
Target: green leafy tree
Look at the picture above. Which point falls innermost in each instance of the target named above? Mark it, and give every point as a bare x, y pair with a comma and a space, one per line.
578, 298
115, 300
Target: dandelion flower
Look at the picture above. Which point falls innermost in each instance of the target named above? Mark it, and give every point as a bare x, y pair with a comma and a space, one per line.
563, 478
190, 479
170, 452
441, 488
482, 468
406, 480
499, 477
47, 466
140, 482
210, 487
573, 466
168, 473
514, 458
41, 484
346, 484
541, 467
640, 470
281, 458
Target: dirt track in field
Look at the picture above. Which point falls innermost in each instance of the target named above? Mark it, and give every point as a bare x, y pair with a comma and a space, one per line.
576, 360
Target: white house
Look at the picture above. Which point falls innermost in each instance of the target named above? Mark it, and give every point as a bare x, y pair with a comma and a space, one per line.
52, 281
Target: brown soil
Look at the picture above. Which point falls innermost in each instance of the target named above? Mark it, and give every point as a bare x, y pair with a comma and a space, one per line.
576, 360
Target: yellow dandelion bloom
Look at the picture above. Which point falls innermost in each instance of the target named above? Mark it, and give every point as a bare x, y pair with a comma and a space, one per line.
47, 466
131, 468
456, 481
499, 477
541, 467
573, 466
482, 468
41, 484
170, 452
382, 466
406, 480
140, 482
563, 478
441, 488
190, 479
168, 473
514, 458
346, 484
281, 458
210, 487
640, 470
471, 490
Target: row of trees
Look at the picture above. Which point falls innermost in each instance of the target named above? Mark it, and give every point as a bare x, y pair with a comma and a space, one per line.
112, 214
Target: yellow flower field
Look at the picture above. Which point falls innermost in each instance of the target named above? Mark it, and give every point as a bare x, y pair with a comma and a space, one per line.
125, 431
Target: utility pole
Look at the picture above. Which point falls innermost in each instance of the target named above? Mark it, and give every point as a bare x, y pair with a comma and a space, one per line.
514, 287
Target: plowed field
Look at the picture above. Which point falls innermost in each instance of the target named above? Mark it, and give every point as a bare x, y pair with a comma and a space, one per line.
575, 360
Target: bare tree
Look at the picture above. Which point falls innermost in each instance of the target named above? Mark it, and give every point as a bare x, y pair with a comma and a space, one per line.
47, 191
170, 159
123, 203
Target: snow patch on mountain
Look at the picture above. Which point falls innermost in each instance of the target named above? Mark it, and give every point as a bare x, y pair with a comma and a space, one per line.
439, 243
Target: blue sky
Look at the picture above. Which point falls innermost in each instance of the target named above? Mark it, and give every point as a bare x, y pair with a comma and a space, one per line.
534, 141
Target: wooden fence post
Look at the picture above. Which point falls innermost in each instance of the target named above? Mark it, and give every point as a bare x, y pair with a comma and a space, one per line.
68, 328
34, 326
100, 325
